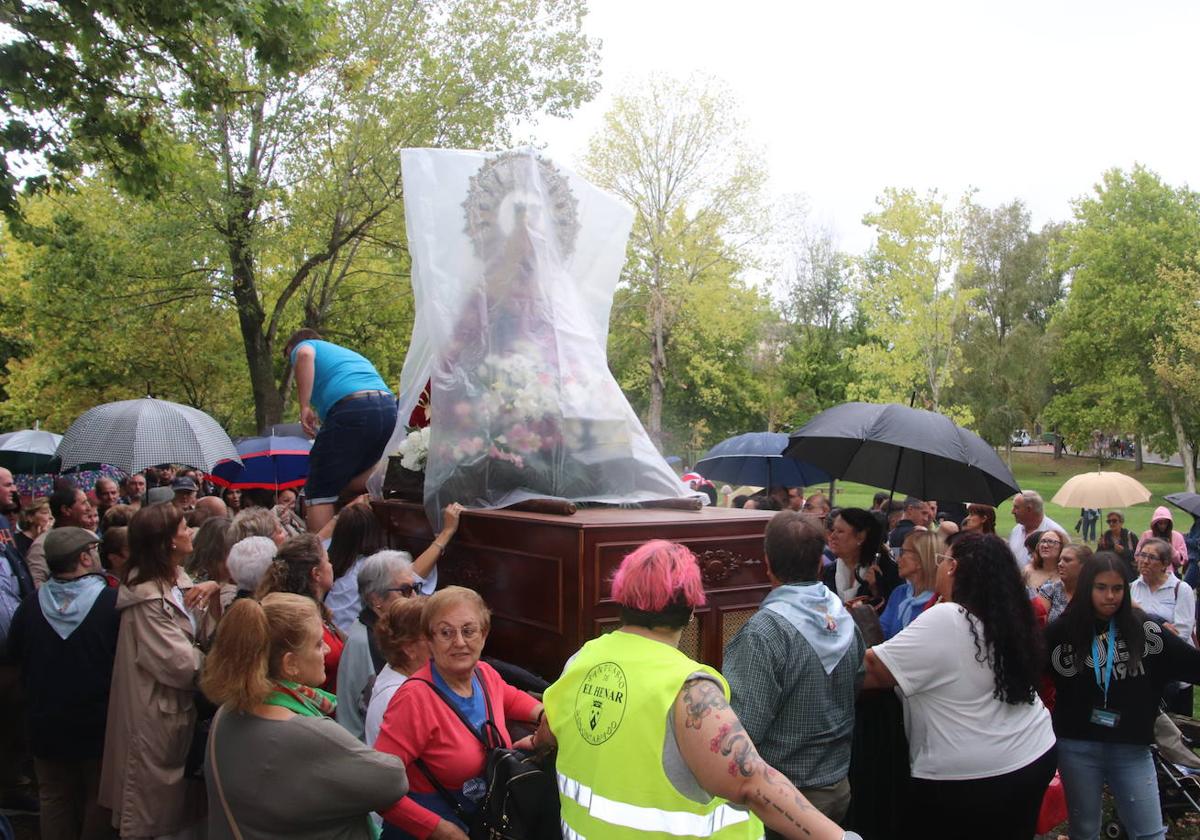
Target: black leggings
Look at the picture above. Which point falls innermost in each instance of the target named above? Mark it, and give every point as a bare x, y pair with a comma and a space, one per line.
996, 808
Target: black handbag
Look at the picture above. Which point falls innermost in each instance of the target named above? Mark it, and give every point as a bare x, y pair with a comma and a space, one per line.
520, 800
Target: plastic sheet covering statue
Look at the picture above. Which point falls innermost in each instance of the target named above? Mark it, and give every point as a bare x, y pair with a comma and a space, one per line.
515, 261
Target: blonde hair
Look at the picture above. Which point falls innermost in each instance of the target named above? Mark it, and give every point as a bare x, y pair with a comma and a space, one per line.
928, 545
449, 597
251, 641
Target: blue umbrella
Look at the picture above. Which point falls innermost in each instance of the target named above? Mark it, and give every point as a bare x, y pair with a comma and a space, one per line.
757, 459
268, 463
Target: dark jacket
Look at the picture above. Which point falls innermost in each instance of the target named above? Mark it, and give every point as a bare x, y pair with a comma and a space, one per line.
66, 680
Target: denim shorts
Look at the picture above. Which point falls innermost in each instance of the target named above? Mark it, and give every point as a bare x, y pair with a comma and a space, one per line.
351, 440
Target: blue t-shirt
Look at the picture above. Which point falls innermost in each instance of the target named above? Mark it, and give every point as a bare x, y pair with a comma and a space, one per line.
338, 372
474, 708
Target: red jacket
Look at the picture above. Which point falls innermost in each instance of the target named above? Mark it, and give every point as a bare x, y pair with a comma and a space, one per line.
418, 724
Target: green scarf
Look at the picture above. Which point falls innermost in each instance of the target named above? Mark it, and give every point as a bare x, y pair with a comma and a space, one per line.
302, 699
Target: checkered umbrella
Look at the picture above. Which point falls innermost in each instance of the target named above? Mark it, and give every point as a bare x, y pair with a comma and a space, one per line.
134, 434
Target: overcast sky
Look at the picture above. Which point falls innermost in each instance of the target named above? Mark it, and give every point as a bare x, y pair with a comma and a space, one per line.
1029, 100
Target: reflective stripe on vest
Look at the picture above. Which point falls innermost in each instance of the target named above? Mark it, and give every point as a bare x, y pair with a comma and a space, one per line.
678, 823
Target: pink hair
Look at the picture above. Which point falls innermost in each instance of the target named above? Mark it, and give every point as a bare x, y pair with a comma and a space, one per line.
654, 575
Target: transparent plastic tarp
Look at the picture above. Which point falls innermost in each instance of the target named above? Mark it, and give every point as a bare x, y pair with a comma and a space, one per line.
514, 264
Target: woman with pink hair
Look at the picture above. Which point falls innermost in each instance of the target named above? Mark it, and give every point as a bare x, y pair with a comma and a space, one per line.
647, 741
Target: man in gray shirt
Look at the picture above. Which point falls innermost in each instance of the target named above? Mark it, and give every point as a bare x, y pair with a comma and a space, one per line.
795, 667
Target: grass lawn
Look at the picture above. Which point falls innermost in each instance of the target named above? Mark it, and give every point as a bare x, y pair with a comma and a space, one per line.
1029, 468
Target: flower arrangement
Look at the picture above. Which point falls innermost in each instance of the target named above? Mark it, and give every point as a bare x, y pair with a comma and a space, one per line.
414, 449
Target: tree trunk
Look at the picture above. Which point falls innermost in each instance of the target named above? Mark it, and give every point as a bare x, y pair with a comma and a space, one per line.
1137, 452
268, 404
1185, 447
658, 371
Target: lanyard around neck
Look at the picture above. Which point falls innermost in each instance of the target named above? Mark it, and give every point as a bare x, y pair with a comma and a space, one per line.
1112, 655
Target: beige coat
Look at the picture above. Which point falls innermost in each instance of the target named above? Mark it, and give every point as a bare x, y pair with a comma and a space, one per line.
151, 713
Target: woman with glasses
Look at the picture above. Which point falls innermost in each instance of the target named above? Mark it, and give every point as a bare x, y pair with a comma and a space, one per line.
1056, 594
1118, 538
302, 567
1044, 548
424, 725
918, 567
383, 578
1110, 662
980, 740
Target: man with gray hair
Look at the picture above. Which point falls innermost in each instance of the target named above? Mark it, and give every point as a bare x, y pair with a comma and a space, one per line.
383, 578
1030, 512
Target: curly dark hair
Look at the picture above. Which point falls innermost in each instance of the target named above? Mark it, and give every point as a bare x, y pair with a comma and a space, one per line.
988, 585
1080, 615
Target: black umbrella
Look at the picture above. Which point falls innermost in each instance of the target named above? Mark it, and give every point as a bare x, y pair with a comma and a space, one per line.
917, 452
1189, 502
755, 458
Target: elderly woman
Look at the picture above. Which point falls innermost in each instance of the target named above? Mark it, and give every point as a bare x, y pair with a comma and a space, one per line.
863, 569
420, 722
258, 522
1159, 593
401, 641
918, 567
647, 741
980, 518
383, 578
1118, 538
1044, 548
248, 562
1056, 594
980, 740
152, 710
274, 724
302, 567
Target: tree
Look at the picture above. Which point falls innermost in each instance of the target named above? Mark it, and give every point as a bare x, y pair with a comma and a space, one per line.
297, 173
1006, 349
1177, 358
676, 151
912, 297
1118, 311
87, 82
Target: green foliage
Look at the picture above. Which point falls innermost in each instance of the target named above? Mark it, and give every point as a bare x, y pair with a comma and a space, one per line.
1119, 310
1006, 349
97, 82
912, 299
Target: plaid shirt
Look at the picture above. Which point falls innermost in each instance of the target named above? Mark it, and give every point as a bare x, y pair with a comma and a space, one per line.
800, 719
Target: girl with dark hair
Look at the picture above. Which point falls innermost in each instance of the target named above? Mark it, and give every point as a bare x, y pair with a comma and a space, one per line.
1110, 662
356, 536
980, 740
864, 568
152, 709
302, 567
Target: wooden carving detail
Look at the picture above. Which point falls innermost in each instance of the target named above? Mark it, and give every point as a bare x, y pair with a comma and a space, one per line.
717, 564
465, 573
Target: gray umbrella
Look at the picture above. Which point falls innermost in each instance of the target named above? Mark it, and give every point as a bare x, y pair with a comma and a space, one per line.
135, 434
917, 452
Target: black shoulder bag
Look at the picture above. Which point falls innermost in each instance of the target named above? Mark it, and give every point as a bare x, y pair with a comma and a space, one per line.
520, 800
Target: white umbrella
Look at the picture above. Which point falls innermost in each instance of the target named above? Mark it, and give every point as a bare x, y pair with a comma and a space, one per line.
1101, 490
135, 434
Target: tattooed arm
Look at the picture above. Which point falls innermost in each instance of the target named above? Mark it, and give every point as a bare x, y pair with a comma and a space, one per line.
724, 761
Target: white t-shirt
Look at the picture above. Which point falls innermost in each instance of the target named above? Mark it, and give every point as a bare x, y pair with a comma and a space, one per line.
956, 729
1174, 602
386, 683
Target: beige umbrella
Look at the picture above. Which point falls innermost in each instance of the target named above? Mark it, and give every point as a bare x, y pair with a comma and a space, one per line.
1101, 490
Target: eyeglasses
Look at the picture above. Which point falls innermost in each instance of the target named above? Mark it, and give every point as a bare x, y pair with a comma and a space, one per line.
939, 559
1148, 555
1049, 542
448, 634
1114, 522
406, 590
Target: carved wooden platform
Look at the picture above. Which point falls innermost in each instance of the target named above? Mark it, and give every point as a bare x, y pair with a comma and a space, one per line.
546, 578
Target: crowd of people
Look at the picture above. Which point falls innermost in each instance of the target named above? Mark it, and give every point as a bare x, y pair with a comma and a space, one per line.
194, 662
